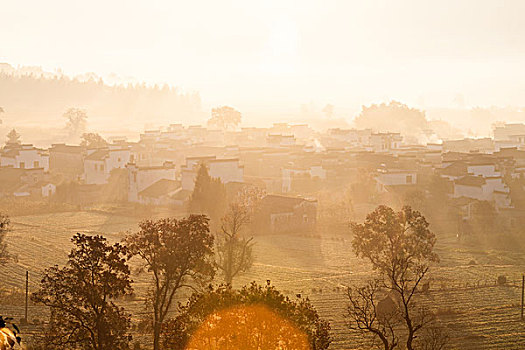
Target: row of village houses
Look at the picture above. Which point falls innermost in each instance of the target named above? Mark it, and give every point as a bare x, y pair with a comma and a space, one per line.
161, 168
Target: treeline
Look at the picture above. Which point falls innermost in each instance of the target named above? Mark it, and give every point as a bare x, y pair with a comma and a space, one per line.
85, 296
181, 253
41, 98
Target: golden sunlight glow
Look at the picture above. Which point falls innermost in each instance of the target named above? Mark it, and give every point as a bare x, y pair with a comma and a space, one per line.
247, 328
280, 56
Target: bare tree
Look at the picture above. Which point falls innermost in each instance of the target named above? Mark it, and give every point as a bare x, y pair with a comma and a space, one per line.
368, 313
175, 252
234, 251
433, 337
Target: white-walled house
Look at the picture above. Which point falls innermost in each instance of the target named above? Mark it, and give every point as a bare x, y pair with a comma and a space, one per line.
394, 177
352, 137
384, 142
484, 170
472, 187
140, 178
279, 140
507, 131
159, 193
453, 171
289, 173
95, 167
188, 177
25, 157
227, 170
484, 189
99, 163
48, 189
301, 131
435, 147
192, 162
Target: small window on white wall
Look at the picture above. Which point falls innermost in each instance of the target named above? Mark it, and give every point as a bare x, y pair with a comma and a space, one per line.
409, 179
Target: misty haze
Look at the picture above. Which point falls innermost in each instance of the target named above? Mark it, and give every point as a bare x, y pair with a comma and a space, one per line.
262, 175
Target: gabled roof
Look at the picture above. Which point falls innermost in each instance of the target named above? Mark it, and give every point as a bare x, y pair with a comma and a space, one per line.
462, 201
181, 194
455, 169
11, 153
453, 156
98, 155
224, 160
479, 161
160, 188
384, 171
475, 181
63, 148
43, 183
278, 204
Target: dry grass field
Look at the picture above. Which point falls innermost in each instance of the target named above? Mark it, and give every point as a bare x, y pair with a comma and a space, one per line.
477, 313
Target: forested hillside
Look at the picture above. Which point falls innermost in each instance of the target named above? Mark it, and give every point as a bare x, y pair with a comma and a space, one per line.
36, 98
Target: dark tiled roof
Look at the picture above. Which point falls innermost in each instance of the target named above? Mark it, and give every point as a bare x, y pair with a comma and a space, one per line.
61, 148
181, 194
278, 204
159, 188
98, 155
455, 169
476, 181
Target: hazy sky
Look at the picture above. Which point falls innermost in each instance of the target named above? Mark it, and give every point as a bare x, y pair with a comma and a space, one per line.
279, 54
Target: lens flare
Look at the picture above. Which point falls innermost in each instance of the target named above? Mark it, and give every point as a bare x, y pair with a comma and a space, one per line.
253, 327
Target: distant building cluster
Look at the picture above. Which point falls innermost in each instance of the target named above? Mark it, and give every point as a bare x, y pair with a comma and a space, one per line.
289, 162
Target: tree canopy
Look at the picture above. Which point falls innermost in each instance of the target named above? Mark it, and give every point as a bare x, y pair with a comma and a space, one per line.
399, 245
177, 254
46, 94
13, 138
411, 122
209, 196
76, 121
82, 294
225, 118
253, 317
93, 140
396, 243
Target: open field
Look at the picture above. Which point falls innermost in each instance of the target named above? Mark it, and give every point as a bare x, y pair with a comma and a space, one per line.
478, 314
